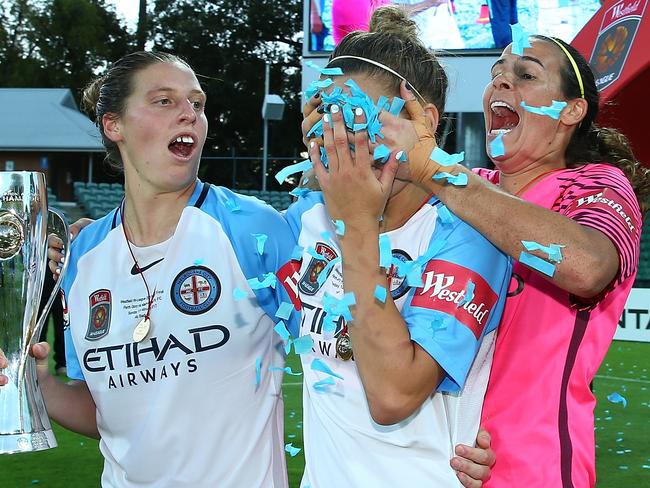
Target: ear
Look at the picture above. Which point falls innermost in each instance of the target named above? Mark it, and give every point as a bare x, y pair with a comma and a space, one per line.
112, 129
432, 115
574, 112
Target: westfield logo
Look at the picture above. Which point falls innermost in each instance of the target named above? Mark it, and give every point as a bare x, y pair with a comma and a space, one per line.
441, 287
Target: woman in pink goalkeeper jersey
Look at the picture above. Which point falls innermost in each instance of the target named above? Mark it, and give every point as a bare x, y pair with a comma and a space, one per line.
572, 196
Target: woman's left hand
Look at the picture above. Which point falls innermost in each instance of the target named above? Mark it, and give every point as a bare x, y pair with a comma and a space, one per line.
353, 190
473, 464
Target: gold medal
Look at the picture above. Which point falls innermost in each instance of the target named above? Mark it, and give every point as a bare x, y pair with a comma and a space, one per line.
141, 330
344, 347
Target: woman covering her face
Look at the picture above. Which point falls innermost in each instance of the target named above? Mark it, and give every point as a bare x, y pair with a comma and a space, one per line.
565, 202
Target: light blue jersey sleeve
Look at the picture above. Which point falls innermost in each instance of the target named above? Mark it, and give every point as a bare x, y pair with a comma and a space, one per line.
247, 220
461, 299
89, 238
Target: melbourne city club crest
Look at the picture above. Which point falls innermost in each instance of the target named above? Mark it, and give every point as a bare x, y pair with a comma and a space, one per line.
398, 284
99, 317
308, 283
195, 290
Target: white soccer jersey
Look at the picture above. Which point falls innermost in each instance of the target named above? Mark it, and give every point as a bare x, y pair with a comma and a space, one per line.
187, 406
343, 446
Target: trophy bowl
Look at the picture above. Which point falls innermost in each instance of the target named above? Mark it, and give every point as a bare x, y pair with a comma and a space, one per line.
24, 423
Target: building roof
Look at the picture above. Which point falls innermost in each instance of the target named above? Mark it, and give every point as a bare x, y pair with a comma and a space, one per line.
45, 119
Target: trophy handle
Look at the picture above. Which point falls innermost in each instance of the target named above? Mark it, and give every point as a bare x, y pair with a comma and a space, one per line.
57, 286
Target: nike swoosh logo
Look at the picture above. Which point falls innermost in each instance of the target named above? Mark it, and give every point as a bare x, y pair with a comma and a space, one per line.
134, 269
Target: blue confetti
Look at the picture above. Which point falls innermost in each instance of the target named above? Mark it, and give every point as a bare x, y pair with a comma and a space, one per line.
324, 273
291, 450
269, 279
553, 111
446, 159
444, 215
299, 192
293, 169
538, 264
303, 344
329, 323
232, 206
497, 147
339, 307
281, 329
239, 294
396, 106
323, 385
324, 71
312, 252
261, 240
519, 39
316, 129
554, 251
381, 153
457, 180
258, 370
284, 310
381, 293
198, 262
318, 365
340, 227
296, 254
385, 252
468, 295
617, 398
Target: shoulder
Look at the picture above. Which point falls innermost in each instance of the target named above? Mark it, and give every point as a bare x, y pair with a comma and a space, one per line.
305, 204
93, 235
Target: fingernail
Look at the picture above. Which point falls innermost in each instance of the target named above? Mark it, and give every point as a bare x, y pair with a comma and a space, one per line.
399, 155
317, 95
321, 109
312, 144
71, 236
57, 271
62, 259
358, 111
408, 86
334, 109
460, 450
326, 118
455, 463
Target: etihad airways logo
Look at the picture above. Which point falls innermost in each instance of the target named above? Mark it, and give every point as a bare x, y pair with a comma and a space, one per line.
608, 199
445, 290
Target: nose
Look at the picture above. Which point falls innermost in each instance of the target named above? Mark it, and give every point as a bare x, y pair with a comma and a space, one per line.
501, 81
187, 113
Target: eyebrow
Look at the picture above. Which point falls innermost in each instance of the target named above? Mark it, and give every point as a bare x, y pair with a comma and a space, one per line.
168, 89
524, 58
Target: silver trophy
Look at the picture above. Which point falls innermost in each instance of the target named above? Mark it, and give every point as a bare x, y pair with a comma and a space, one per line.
24, 423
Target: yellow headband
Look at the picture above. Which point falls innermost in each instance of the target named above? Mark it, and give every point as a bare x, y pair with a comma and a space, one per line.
573, 63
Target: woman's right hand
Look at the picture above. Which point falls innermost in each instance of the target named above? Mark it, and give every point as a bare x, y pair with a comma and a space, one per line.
55, 251
39, 351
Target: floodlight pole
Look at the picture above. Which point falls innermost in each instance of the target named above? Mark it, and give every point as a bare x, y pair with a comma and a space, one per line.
265, 156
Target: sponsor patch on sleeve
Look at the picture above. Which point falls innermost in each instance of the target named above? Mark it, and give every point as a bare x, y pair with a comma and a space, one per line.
445, 289
608, 200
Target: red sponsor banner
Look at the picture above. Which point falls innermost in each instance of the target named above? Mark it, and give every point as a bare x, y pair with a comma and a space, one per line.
610, 201
100, 296
622, 9
288, 275
445, 287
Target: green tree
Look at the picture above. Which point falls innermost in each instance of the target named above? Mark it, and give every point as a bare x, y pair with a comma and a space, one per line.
58, 43
228, 43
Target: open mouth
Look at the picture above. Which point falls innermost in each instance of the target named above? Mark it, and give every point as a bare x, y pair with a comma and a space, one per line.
504, 117
182, 146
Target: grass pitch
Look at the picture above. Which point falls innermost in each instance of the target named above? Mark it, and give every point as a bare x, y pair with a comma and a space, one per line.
622, 433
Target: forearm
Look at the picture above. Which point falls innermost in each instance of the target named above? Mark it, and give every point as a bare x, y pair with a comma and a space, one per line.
70, 405
590, 260
396, 373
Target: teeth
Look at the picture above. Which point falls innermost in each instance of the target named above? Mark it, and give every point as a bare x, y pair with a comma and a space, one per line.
185, 139
499, 103
500, 131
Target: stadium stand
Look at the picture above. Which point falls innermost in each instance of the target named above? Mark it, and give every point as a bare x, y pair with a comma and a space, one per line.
98, 199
